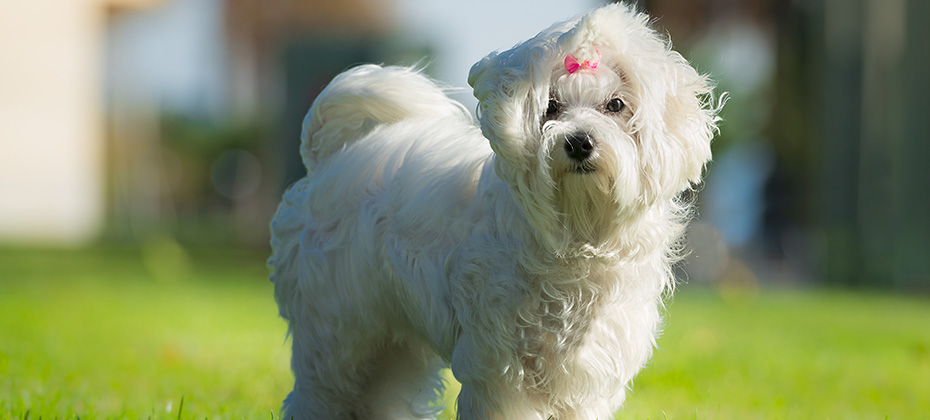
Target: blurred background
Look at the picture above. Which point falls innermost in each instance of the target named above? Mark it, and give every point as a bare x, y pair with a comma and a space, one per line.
144, 146
127, 120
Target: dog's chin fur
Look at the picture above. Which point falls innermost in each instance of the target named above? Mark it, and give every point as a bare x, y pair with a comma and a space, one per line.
419, 240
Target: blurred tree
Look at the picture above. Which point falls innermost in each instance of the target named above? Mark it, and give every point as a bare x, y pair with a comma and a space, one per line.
912, 218
876, 133
847, 119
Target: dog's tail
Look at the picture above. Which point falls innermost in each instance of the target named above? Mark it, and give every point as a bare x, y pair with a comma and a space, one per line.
364, 97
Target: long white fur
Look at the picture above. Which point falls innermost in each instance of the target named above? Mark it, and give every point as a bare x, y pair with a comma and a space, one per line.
418, 240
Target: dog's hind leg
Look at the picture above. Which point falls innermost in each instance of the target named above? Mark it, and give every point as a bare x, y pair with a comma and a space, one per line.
386, 382
406, 383
332, 371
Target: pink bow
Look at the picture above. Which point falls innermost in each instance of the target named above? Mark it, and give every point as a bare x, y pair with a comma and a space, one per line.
572, 64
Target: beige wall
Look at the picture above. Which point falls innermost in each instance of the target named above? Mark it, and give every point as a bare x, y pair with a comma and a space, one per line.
51, 139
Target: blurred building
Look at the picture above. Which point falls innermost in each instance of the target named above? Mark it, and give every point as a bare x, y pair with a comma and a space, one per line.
51, 113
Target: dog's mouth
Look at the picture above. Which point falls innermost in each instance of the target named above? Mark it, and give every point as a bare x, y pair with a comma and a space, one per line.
584, 168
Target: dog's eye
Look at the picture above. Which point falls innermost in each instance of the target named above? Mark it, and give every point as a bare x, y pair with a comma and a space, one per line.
615, 105
553, 110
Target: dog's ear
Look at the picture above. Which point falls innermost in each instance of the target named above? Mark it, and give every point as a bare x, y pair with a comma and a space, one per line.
676, 124
504, 83
511, 87
691, 116
494, 88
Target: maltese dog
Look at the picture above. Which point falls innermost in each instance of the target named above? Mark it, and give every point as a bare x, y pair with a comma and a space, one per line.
530, 253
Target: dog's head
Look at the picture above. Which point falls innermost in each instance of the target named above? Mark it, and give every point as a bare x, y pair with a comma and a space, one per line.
593, 121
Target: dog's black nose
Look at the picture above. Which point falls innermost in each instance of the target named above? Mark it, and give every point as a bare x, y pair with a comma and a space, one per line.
579, 146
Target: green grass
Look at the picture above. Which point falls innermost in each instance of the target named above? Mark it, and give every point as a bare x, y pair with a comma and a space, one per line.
128, 333
789, 355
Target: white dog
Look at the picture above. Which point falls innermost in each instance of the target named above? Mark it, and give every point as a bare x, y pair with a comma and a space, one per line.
531, 254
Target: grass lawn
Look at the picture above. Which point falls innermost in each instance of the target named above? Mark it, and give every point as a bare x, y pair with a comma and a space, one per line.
789, 355
128, 333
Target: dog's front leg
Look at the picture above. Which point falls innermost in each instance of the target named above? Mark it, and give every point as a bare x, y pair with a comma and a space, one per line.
490, 401
475, 403
476, 400
488, 393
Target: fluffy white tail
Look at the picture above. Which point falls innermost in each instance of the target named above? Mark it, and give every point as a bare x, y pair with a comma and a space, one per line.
363, 97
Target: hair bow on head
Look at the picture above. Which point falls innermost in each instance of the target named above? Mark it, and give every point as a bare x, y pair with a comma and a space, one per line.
572, 64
